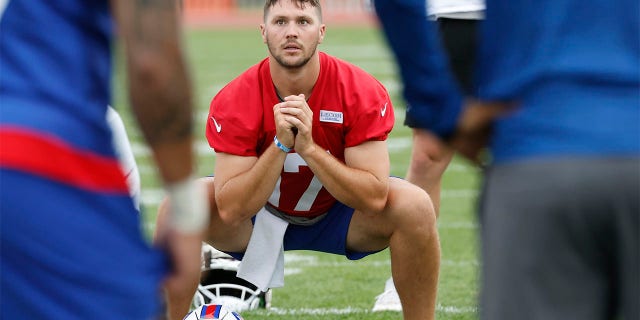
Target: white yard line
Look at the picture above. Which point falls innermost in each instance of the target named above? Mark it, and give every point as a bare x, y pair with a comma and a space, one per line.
455, 309
314, 311
353, 310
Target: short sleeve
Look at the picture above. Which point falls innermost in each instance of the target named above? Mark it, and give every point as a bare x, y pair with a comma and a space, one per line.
373, 118
234, 122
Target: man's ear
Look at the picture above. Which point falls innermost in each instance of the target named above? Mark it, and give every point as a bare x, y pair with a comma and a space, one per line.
323, 29
263, 33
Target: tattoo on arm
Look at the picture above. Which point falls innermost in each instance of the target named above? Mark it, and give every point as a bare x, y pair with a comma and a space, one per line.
147, 14
163, 94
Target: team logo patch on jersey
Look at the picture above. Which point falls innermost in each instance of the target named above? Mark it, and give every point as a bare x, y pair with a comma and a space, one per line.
331, 116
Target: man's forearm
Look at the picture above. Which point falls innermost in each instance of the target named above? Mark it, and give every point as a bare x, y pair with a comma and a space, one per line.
240, 197
357, 188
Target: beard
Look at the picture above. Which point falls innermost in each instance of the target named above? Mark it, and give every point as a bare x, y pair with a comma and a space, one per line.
288, 63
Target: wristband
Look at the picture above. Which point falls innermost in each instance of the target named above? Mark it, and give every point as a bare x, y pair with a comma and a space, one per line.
280, 145
188, 205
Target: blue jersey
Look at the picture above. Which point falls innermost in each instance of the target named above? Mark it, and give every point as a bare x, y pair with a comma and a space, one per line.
70, 236
571, 67
56, 67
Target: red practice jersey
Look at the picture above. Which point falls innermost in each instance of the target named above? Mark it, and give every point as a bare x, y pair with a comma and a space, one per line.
349, 107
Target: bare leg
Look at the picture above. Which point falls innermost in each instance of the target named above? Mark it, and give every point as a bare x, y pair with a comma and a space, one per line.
408, 226
415, 265
429, 159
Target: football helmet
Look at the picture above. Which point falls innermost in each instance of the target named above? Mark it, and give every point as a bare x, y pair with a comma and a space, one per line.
220, 285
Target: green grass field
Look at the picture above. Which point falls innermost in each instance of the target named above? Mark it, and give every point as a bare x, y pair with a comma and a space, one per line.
322, 286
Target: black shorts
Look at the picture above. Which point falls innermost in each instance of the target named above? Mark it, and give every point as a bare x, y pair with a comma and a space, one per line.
459, 39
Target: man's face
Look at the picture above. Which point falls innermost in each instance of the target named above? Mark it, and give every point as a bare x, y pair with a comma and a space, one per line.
292, 34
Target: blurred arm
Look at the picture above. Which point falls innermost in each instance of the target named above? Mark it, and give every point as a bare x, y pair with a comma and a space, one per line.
160, 93
434, 101
159, 86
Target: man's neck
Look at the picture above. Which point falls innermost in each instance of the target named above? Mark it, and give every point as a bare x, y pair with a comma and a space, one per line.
295, 81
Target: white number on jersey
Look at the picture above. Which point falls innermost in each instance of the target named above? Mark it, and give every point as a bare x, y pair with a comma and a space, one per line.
292, 163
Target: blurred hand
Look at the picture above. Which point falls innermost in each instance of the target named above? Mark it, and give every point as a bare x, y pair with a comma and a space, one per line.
182, 281
475, 126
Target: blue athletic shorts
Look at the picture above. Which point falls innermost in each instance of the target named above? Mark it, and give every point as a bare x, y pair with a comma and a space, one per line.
327, 235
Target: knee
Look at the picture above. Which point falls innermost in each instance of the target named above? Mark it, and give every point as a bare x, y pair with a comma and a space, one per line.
430, 163
423, 210
413, 209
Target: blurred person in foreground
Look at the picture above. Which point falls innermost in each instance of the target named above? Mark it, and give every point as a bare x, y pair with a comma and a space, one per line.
457, 22
71, 241
557, 107
302, 164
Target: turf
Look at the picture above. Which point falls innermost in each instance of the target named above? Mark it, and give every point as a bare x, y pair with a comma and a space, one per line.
322, 286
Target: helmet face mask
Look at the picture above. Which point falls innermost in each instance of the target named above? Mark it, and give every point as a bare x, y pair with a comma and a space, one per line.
220, 285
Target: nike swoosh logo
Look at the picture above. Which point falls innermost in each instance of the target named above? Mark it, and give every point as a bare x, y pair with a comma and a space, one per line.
218, 127
382, 111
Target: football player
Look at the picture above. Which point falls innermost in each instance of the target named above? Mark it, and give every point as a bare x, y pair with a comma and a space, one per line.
302, 164
71, 244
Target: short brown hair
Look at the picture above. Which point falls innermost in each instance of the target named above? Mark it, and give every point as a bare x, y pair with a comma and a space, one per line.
300, 3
